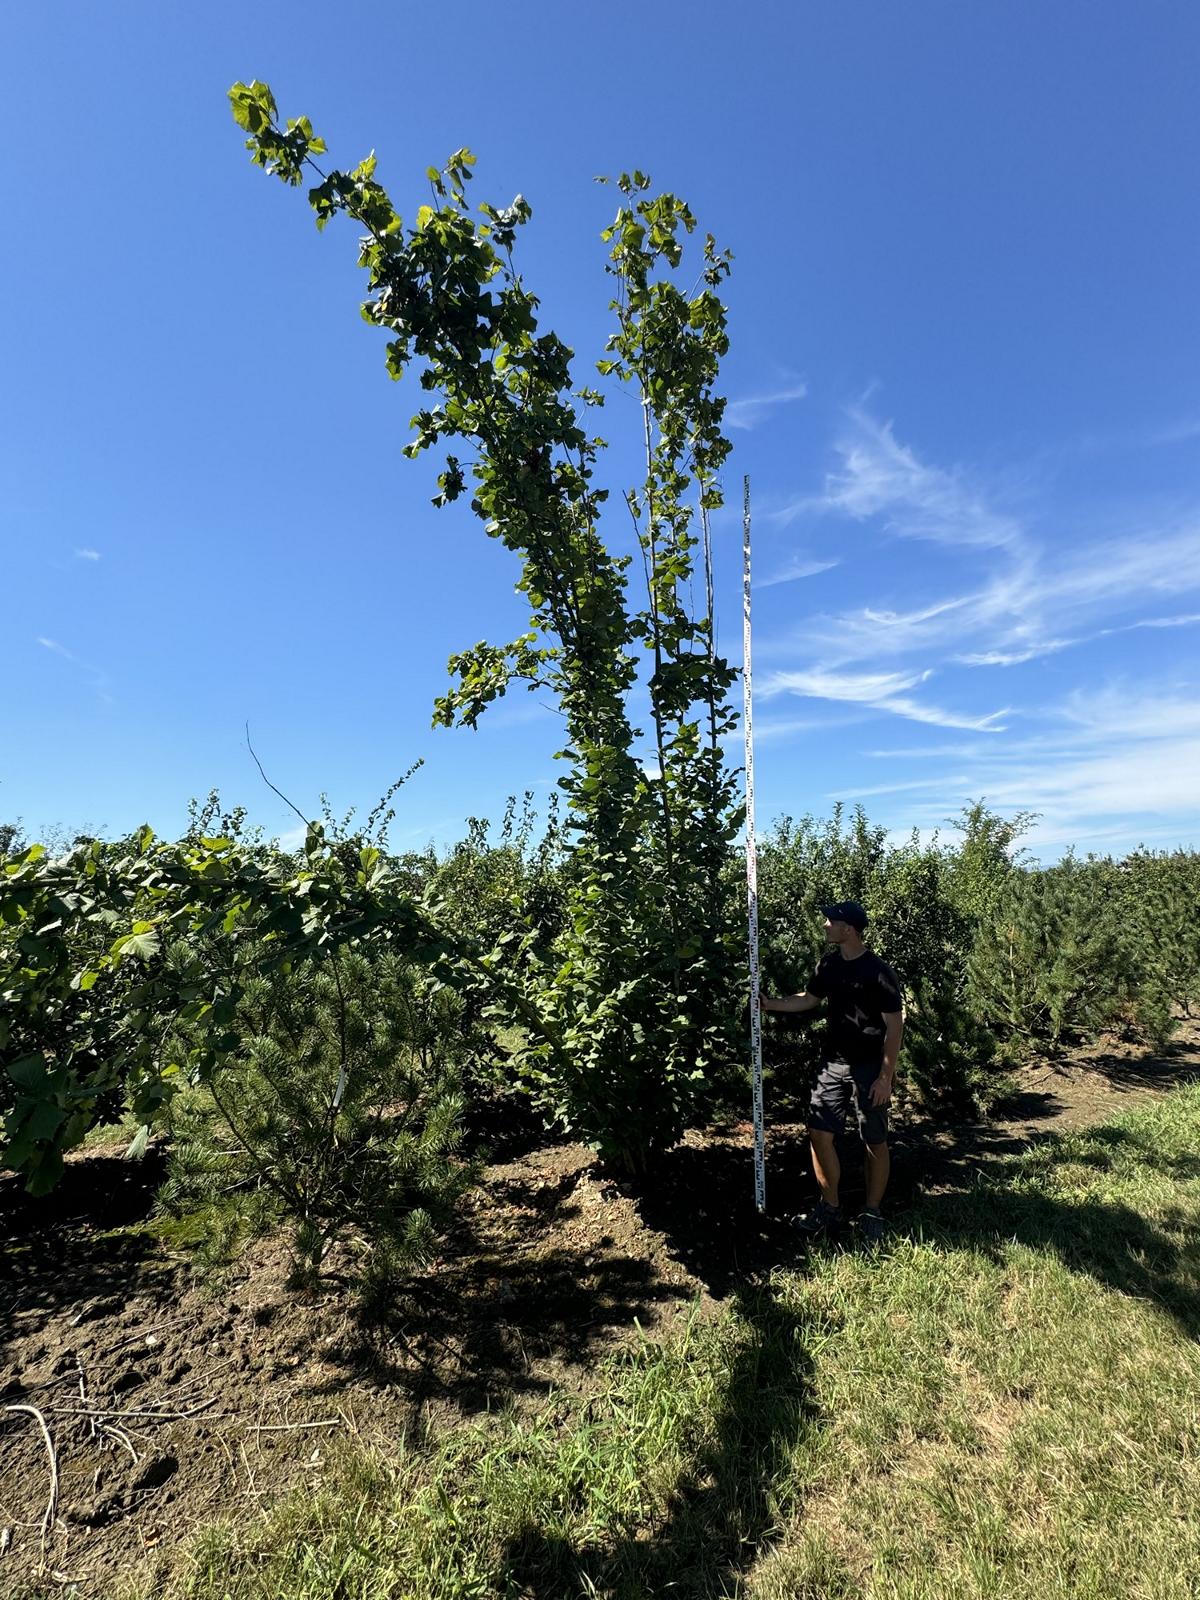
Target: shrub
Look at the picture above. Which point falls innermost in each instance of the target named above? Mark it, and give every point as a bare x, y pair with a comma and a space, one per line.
341, 1106
1158, 894
1053, 962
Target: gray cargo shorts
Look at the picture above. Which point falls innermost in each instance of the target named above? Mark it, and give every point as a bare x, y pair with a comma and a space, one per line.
838, 1086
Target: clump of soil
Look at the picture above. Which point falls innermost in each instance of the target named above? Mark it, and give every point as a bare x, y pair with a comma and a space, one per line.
170, 1401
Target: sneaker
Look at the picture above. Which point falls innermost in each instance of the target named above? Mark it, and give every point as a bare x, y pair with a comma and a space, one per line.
872, 1229
821, 1219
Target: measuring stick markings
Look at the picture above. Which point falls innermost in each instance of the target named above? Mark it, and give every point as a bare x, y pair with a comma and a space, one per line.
760, 1178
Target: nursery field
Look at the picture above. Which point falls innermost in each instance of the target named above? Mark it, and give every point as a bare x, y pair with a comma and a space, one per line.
592, 1391
378, 1223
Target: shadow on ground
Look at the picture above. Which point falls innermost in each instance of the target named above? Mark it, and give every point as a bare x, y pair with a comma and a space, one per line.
1154, 1259
720, 1520
64, 1251
496, 1327
724, 1507
525, 1287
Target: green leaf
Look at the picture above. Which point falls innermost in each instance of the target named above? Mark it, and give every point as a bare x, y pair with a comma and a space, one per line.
29, 1072
136, 1148
41, 1121
253, 106
47, 1169
143, 942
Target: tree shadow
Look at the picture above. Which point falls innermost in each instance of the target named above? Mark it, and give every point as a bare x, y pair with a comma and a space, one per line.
1169, 1066
1155, 1259
503, 1311
725, 1506
701, 1199
735, 1491
1178, 1165
494, 1327
497, 1317
67, 1249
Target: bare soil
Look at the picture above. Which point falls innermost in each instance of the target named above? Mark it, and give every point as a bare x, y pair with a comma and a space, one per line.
170, 1402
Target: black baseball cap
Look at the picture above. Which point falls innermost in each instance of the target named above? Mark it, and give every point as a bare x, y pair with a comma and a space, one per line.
847, 911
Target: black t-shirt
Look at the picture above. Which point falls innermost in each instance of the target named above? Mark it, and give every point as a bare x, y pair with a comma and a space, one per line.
858, 993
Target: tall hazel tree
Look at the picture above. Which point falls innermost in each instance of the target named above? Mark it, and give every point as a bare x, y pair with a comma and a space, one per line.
637, 1000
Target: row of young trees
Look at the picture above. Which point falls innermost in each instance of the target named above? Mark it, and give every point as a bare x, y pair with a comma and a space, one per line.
313, 1038
127, 963
1000, 958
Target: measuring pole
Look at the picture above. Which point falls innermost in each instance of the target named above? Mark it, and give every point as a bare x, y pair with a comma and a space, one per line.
760, 1174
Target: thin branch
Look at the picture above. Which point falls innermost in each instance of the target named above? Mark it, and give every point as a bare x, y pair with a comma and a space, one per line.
270, 785
52, 1502
656, 626
155, 1416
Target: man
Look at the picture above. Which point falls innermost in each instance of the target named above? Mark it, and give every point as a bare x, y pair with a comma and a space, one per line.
862, 1046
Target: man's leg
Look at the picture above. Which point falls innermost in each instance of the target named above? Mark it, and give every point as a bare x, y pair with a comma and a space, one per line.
873, 1131
878, 1169
826, 1166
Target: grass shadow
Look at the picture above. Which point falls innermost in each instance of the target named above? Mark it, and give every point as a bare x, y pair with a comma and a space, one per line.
1150, 1258
723, 1510
494, 1328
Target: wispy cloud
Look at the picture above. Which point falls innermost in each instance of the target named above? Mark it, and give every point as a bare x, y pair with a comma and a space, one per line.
877, 476
1029, 602
798, 567
1178, 432
87, 555
1016, 658
1011, 581
749, 411
881, 691
914, 784
1079, 723
771, 728
1181, 430
1186, 621
1117, 764
880, 476
1046, 647
99, 679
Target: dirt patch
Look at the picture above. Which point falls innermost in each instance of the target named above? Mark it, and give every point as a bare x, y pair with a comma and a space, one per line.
1078, 1089
169, 1404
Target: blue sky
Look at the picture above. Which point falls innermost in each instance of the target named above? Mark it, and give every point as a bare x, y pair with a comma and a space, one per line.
964, 381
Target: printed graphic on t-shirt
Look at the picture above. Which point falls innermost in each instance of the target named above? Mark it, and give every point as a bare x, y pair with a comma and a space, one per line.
858, 994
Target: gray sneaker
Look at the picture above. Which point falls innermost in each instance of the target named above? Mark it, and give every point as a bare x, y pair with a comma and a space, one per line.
820, 1220
872, 1229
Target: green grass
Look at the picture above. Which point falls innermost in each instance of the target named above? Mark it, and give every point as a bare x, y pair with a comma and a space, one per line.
1002, 1404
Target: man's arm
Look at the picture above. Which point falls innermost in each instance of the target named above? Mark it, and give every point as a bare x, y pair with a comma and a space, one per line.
893, 1033
792, 1004
893, 1023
